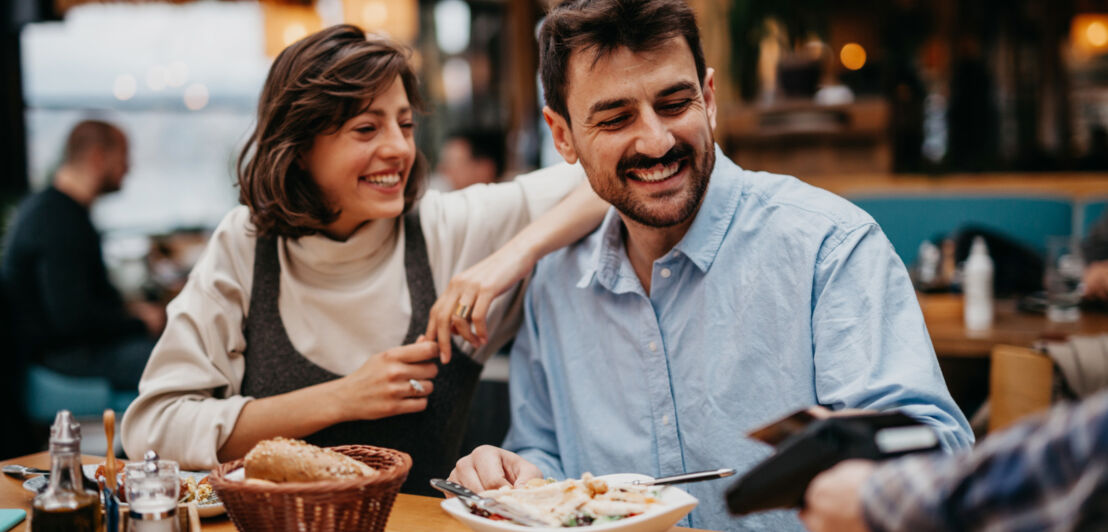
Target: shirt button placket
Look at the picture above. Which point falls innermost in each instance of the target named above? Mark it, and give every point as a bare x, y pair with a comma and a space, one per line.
669, 443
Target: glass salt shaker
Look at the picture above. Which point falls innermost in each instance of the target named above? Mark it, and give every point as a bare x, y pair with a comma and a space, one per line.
152, 490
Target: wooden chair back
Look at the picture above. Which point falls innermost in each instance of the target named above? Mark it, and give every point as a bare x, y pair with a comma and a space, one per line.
1020, 384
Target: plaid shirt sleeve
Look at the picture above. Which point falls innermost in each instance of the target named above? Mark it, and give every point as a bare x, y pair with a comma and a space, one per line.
1049, 473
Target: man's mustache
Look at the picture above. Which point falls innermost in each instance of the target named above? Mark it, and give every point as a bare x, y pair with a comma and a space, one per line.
638, 160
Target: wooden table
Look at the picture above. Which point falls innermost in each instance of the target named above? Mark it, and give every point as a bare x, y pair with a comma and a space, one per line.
964, 355
943, 314
410, 513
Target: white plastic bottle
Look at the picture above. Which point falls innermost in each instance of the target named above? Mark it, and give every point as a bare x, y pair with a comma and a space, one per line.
977, 284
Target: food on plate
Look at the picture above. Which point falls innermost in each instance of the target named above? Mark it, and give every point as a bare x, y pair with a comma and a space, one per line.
197, 490
575, 502
191, 488
286, 460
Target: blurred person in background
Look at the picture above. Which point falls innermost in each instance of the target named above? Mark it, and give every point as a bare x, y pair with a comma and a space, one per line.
1046, 473
312, 313
71, 317
1095, 253
472, 156
709, 298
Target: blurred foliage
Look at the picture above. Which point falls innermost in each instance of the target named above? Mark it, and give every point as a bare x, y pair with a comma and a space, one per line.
800, 19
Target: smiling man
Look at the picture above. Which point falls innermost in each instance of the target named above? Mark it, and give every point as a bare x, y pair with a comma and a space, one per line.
710, 300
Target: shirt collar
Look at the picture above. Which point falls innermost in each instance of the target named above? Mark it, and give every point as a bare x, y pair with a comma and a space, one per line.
609, 264
701, 243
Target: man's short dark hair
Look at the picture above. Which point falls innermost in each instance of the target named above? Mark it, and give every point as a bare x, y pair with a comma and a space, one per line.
484, 144
89, 134
604, 26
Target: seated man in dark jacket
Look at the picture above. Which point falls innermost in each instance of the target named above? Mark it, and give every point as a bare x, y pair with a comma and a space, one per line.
72, 318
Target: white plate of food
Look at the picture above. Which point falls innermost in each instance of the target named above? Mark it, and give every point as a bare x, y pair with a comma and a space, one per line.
583, 504
194, 486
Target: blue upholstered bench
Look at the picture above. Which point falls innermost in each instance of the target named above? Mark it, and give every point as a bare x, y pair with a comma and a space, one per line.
1091, 211
47, 391
909, 219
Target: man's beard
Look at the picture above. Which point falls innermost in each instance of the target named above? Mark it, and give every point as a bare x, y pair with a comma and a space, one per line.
617, 191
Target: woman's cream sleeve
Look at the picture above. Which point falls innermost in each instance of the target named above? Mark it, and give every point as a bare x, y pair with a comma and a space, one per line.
189, 393
465, 226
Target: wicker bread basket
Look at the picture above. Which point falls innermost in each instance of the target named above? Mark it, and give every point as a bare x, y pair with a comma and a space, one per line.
324, 506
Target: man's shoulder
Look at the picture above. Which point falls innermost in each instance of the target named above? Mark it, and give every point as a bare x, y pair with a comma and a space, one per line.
39, 213
793, 203
796, 197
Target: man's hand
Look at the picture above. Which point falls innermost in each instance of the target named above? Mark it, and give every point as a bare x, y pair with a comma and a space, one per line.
1096, 281
833, 501
489, 467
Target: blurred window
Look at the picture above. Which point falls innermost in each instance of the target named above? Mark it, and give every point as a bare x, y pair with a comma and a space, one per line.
181, 80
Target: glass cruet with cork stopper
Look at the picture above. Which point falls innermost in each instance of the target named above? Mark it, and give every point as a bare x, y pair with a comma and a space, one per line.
65, 504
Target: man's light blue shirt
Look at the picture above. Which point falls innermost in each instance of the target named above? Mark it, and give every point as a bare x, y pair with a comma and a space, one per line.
780, 296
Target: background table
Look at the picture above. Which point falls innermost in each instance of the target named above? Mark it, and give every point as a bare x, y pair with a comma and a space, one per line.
410, 513
964, 355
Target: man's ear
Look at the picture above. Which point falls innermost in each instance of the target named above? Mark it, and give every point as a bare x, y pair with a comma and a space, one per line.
559, 128
709, 90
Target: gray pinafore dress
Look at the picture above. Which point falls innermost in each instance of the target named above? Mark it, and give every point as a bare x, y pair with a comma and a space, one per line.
273, 367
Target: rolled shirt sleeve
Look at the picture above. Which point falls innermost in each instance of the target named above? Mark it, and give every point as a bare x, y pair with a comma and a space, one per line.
189, 394
871, 346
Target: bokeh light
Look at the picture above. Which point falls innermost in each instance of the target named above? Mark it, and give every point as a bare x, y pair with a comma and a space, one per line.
125, 87
196, 96
1097, 33
294, 32
853, 56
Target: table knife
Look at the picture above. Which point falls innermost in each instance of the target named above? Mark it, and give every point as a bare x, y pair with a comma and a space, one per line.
474, 500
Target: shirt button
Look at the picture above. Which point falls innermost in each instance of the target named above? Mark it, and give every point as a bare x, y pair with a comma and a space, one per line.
653, 346
666, 273
665, 419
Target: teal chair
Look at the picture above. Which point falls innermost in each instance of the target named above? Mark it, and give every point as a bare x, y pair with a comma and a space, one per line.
909, 219
1091, 211
47, 391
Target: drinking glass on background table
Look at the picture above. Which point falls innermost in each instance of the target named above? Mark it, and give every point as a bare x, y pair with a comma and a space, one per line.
1064, 269
152, 490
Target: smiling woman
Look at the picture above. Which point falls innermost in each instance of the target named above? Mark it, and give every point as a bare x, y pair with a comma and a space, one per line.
310, 314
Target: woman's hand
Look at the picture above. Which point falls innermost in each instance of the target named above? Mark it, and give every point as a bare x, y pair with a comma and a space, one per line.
393, 382
463, 308
382, 387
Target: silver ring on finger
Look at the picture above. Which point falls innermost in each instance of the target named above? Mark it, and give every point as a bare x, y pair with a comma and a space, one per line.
417, 387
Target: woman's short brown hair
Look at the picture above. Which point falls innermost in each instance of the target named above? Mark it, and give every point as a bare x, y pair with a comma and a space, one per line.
313, 87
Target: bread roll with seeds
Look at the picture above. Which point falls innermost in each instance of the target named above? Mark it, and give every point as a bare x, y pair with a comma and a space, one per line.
287, 460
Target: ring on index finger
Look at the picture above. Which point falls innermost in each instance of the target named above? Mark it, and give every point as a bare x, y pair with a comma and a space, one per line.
463, 311
417, 387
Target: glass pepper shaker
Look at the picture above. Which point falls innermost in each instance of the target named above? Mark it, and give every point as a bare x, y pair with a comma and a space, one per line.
152, 490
